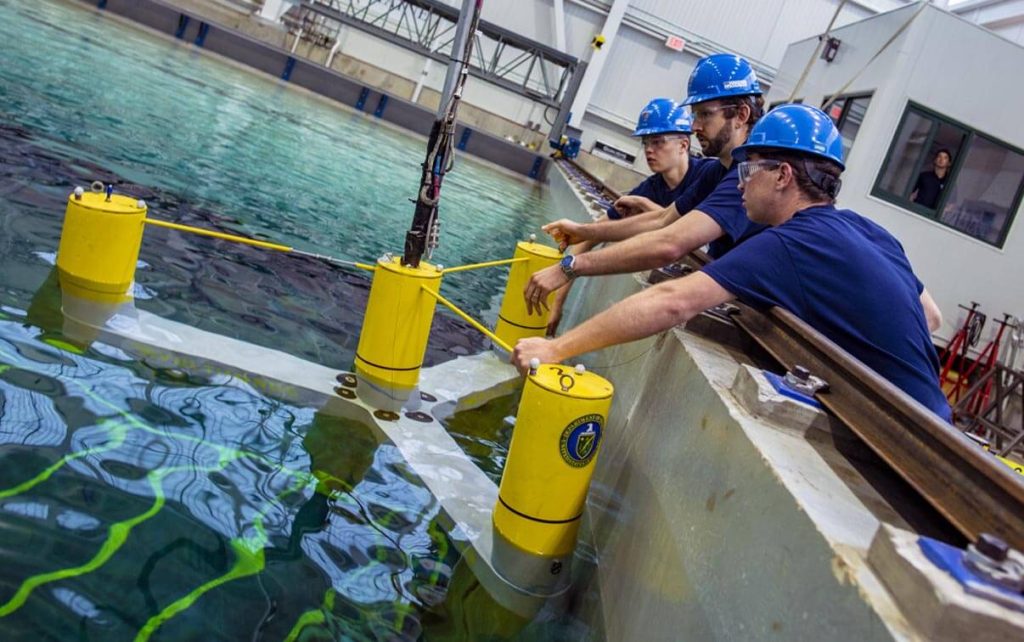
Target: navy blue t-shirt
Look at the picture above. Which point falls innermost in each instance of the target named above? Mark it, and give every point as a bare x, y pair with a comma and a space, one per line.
655, 188
850, 280
718, 195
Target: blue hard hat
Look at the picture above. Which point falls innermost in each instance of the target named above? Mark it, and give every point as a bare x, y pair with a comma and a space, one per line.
721, 76
663, 116
795, 127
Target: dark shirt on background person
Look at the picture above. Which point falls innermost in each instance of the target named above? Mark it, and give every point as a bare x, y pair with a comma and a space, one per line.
928, 188
930, 184
717, 194
657, 190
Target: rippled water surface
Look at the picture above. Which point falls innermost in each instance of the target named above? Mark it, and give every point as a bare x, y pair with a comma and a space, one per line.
82, 98
144, 502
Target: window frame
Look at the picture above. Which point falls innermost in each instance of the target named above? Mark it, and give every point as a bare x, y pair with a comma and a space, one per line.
848, 99
846, 106
970, 135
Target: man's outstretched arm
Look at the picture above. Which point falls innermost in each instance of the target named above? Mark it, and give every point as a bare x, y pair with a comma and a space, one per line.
657, 308
566, 232
643, 252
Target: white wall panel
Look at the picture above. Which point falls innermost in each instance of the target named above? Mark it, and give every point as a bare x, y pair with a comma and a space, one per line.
1003, 17
759, 29
636, 72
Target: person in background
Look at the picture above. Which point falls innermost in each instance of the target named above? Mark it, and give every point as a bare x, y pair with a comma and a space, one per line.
664, 128
841, 273
726, 101
930, 184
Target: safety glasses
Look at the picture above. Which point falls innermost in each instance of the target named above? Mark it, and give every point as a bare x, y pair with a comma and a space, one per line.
655, 142
704, 113
747, 169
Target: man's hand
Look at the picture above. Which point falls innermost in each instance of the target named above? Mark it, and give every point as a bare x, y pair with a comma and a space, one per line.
541, 284
566, 232
630, 205
533, 348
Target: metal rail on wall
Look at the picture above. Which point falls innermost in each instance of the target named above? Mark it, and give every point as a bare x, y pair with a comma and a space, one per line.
967, 485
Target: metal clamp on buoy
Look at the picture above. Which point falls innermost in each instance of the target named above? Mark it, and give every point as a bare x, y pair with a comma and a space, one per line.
558, 433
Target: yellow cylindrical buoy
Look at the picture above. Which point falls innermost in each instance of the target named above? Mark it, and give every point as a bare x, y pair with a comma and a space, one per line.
513, 321
558, 432
99, 244
397, 325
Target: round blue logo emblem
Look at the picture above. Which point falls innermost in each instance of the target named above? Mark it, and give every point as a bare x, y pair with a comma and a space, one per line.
580, 440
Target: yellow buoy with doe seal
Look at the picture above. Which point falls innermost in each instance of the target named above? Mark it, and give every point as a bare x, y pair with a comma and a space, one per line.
514, 322
396, 326
99, 243
559, 427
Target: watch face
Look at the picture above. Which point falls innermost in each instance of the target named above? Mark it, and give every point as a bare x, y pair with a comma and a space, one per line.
567, 260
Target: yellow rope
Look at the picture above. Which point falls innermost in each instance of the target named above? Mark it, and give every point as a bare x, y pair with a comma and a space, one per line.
470, 320
253, 242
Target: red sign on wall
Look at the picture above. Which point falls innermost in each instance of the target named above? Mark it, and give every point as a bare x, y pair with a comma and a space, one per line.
675, 42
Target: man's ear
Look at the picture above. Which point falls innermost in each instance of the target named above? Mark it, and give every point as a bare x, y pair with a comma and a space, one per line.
743, 112
785, 176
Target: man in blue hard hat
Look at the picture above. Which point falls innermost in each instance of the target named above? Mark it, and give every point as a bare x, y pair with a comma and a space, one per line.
664, 128
725, 99
841, 273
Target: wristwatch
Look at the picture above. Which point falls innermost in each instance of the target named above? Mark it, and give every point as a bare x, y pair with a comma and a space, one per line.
567, 263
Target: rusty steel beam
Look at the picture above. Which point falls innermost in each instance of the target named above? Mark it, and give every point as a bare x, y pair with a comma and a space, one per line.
968, 486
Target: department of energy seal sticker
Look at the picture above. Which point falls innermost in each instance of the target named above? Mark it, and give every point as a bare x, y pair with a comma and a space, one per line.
580, 439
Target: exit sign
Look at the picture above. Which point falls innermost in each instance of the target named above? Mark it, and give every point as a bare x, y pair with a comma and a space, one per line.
675, 42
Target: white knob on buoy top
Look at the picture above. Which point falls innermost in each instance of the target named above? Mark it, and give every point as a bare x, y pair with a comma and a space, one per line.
533, 238
78, 192
580, 368
141, 204
534, 364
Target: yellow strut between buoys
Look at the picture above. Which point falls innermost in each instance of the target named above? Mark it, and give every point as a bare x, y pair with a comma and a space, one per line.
477, 266
514, 323
99, 244
558, 433
396, 326
470, 320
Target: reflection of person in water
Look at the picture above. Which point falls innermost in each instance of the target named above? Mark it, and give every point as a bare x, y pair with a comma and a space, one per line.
930, 184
